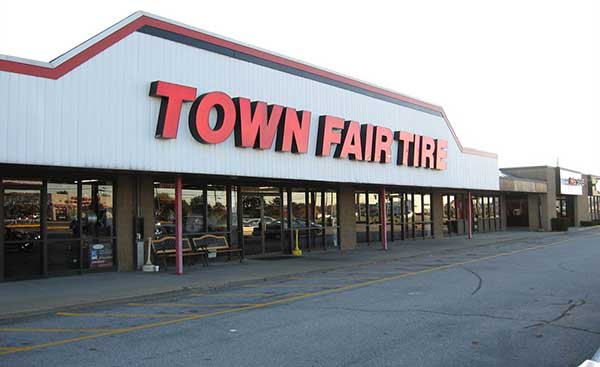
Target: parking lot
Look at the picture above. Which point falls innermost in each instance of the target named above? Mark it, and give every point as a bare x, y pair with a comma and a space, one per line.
213, 314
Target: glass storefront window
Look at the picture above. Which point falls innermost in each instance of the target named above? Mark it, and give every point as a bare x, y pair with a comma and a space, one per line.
561, 207
316, 208
452, 208
97, 208
62, 210
192, 209
374, 217
418, 207
78, 227
427, 208
22, 230
96, 225
446, 207
361, 208
22, 214
216, 197
164, 210
299, 209
361, 217
234, 216
331, 209
331, 219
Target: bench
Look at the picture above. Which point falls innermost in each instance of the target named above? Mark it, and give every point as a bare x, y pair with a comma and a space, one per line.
211, 243
164, 248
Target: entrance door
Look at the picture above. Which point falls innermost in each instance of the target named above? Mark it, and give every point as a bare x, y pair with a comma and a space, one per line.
23, 246
261, 223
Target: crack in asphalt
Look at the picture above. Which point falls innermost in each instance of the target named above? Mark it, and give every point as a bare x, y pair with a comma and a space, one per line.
357, 309
576, 328
480, 281
489, 316
563, 314
562, 266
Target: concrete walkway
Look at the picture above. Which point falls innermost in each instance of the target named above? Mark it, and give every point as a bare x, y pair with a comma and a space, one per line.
32, 297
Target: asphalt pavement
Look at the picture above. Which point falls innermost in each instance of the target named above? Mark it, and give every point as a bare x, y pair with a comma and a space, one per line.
523, 303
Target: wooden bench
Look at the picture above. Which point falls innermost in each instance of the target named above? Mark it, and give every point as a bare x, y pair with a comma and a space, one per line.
211, 243
164, 248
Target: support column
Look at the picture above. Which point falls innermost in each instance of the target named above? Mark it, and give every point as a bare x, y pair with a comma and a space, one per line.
124, 212
437, 213
178, 228
534, 205
383, 217
146, 209
469, 216
582, 205
346, 217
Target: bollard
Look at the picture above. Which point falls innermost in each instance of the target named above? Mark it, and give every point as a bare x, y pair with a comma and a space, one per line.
296, 251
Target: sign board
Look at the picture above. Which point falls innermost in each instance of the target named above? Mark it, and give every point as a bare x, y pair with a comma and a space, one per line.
256, 124
101, 256
571, 183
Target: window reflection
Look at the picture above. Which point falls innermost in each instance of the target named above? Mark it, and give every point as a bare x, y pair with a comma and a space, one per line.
192, 208
164, 210
22, 232
62, 210
74, 210
97, 208
299, 210
21, 214
217, 208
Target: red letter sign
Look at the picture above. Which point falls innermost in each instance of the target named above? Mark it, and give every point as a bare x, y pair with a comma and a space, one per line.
427, 152
382, 151
366, 137
199, 118
404, 140
256, 124
292, 132
440, 154
351, 146
326, 136
172, 97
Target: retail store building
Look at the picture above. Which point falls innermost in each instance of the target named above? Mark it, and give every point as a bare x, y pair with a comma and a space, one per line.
536, 195
95, 145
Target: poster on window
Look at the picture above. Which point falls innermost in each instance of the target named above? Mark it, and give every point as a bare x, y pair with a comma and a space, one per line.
571, 183
101, 256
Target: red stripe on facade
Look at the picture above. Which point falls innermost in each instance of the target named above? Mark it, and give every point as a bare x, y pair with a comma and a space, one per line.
144, 20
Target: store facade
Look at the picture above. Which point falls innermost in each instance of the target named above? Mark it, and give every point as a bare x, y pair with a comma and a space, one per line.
535, 195
107, 145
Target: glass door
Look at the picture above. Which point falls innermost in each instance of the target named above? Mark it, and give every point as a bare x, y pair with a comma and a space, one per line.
23, 245
396, 217
272, 219
261, 223
252, 224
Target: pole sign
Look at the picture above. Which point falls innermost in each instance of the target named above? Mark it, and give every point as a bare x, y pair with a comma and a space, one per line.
257, 125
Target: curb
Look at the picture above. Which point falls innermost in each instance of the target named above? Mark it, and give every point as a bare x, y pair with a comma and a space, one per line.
180, 291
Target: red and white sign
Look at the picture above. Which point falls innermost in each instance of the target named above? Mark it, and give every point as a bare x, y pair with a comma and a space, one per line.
255, 124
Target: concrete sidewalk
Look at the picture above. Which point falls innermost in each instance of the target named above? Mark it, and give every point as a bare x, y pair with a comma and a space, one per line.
32, 297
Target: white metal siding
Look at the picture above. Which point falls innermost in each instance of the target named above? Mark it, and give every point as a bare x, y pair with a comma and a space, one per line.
100, 116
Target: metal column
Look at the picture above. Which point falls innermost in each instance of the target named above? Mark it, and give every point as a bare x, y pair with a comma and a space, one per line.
383, 215
178, 228
469, 215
